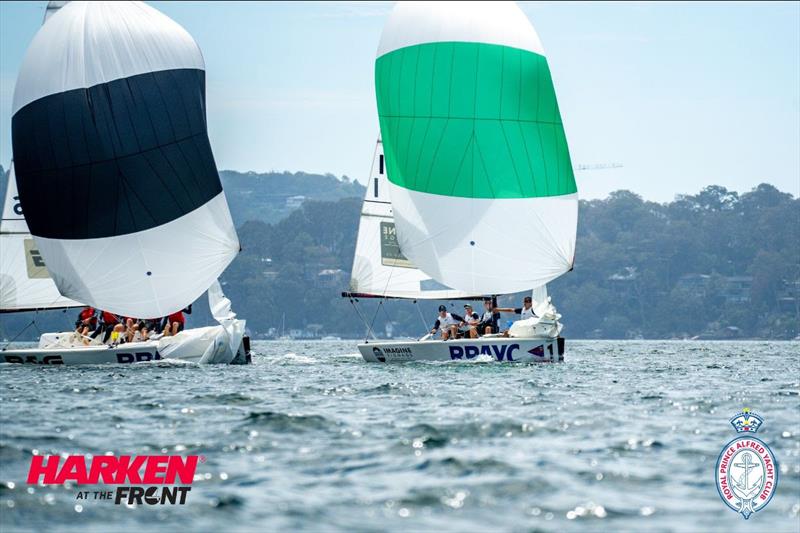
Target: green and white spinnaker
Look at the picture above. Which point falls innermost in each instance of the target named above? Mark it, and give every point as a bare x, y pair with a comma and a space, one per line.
482, 186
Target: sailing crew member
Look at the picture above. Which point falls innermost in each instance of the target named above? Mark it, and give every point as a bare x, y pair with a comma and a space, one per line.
108, 321
447, 322
489, 319
87, 320
176, 322
469, 326
524, 312
111, 327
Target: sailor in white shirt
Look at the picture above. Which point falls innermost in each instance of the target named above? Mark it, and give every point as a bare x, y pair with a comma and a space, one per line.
470, 323
524, 312
447, 323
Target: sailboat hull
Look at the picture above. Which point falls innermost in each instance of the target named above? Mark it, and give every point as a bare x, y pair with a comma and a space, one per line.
495, 349
200, 348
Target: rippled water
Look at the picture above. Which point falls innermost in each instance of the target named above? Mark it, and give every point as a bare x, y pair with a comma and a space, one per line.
623, 436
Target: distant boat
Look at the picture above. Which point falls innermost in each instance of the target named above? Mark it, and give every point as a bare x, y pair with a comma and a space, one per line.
481, 188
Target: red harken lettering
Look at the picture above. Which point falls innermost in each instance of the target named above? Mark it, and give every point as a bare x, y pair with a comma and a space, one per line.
113, 470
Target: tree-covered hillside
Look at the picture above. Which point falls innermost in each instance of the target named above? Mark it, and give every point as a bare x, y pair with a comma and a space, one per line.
715, 264
271, 196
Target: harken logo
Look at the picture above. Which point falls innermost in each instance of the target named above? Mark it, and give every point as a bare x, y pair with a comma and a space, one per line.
168, 476
747, 471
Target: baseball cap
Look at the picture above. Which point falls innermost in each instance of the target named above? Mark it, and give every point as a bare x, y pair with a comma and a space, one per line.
442, 308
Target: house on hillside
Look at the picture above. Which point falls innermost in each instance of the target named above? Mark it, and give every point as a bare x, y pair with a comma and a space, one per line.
694, 283
331, 278
622, 282
293, 202
736, 289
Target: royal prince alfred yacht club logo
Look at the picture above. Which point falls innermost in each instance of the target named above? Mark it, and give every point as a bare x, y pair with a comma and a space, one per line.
747, 472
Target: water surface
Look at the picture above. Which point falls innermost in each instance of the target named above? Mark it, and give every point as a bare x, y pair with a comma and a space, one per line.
623, 436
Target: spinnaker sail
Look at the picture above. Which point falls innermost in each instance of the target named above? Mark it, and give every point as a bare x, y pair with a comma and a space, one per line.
379, 267
481, 182
25, 283
52, 8
115, 170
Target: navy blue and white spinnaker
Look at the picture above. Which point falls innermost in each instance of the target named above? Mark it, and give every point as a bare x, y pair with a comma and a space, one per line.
115, 170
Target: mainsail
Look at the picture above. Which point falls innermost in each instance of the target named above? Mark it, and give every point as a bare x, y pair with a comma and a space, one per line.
25, 283
480, 176
379, 267
114, 165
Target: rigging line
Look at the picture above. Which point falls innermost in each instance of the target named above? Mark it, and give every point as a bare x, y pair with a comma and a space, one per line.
421, 316
31, 323
371, 330
358, 312
388, 318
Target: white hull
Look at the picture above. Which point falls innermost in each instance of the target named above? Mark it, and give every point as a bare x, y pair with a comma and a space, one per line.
497, 349
203, 345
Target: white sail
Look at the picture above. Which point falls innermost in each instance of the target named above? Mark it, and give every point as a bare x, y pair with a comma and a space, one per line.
52, 8
379, 267
25, 283
120, 189
480, 176
539, 294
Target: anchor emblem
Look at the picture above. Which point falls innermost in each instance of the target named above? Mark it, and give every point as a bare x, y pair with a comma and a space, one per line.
747, 471
747, 490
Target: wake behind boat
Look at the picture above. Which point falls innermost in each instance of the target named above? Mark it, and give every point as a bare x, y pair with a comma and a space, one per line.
121, 196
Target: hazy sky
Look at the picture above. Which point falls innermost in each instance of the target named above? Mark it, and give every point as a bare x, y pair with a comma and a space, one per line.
683, 95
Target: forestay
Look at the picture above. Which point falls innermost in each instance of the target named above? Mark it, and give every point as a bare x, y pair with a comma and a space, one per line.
115, 169
25, 283
480, 176
379, 267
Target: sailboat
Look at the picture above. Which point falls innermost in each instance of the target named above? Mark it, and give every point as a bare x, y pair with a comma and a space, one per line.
479, 177
117, 181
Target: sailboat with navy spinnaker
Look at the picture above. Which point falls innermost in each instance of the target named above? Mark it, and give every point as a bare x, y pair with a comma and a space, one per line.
118, 184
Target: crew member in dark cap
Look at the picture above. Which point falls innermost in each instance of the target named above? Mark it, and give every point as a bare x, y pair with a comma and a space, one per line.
447, 323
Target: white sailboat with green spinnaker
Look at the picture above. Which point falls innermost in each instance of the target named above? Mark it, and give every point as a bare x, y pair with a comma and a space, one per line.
480, 184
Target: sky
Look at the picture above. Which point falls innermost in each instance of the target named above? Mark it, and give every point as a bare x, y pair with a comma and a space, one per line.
682, 95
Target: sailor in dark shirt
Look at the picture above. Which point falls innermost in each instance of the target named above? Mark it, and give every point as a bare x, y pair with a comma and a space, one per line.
489, 319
